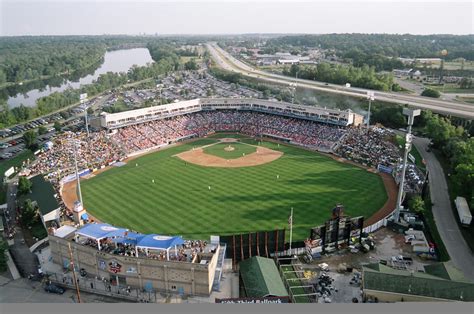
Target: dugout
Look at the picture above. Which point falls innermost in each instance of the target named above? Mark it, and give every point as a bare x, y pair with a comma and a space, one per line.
260, 278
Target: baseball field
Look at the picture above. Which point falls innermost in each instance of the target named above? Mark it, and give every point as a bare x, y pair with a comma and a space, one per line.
204, 188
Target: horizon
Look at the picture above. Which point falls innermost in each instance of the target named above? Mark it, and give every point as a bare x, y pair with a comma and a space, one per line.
211, 18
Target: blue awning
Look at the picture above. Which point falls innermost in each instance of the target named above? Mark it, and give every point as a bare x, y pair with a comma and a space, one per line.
98, 231
128, 238
158, 242
85, 216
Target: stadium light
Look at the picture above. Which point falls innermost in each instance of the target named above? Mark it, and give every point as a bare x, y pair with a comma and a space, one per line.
370, 98
411, 113
77, 171
83, 99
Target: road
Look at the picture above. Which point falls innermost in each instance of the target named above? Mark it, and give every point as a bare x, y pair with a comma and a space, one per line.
460, 253
228, 62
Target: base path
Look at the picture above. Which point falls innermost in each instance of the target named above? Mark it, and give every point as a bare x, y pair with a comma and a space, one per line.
199, 157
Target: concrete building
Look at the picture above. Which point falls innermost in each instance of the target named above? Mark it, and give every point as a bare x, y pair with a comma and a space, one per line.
435, 283
324, 115
143, 271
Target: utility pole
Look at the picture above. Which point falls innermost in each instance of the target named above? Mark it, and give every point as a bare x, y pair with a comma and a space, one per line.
411, 113
74, 274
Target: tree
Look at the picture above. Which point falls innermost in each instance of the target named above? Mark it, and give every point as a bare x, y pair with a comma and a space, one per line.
57, 126
417, 204
3, 255
428, 92
465, 83
24, 185
191, 65
42, 130
30, 138
29, 214
90, 111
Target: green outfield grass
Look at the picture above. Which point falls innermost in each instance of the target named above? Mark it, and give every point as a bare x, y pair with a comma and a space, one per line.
240, 199
239, 149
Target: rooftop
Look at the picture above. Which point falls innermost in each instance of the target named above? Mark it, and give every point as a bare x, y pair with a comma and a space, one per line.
42, 192
440, 281
261, 278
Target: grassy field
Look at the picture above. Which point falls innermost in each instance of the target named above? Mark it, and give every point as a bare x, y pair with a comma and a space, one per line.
239, 149
240, 199
451, 88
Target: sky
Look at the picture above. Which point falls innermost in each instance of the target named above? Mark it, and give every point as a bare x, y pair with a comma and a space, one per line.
88, 17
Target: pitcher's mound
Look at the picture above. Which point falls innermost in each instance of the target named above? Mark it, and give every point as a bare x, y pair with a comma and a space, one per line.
229, 149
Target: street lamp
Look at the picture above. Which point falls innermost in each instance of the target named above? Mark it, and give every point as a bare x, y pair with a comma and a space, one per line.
370, 97
160, 87
411, 113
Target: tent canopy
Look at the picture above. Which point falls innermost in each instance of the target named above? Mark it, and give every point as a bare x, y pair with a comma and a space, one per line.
158, 242
98, 231
129, 238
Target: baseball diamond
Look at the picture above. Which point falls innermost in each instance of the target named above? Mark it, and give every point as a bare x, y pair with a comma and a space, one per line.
162, 193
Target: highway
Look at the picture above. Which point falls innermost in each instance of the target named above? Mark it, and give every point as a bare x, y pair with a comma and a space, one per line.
228, 62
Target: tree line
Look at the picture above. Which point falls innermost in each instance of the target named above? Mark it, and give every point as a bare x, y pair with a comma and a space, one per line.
388, 45
365, 76
164, 63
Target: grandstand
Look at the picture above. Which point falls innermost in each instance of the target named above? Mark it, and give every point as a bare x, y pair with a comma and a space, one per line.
148, 128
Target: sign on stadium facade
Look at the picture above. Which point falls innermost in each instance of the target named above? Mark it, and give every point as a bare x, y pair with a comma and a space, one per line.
267, 300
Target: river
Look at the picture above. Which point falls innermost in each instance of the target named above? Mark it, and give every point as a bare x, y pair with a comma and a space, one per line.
114, 61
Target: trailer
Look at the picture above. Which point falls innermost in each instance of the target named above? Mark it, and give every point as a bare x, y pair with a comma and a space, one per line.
465, 216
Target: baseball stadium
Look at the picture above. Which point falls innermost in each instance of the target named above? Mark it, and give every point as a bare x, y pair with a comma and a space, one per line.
226, 166
159, 197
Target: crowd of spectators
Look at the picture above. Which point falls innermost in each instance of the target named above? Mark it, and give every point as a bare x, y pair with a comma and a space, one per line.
375, 147
369, 147
93, 152
186, 252
159, 132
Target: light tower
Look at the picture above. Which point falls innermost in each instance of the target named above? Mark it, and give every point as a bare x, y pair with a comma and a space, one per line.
83, 99
79, 212
411, 113
370, 98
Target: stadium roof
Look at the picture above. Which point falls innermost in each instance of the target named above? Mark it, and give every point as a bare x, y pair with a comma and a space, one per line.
42, 192
261, 278
158, 242
439, 281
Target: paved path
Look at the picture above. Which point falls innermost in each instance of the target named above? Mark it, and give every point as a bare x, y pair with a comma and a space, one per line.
460, 253
25, 261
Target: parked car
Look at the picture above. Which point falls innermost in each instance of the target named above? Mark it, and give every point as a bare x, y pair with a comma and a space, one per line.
54, 289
